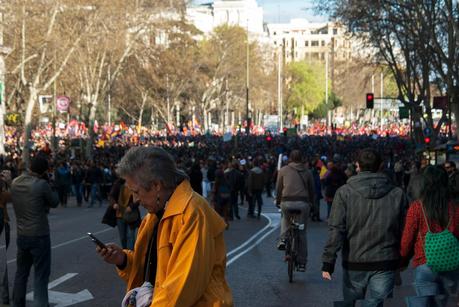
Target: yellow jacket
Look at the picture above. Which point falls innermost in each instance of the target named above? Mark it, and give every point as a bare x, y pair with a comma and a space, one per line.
191, 254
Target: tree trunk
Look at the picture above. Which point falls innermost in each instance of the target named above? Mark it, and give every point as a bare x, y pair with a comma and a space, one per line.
139, 122
206, 123
28, 127
92, 134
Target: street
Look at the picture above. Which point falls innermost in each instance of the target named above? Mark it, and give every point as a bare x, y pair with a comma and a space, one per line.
255, 269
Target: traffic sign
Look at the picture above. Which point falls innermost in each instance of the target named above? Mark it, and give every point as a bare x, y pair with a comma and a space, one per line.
62, 103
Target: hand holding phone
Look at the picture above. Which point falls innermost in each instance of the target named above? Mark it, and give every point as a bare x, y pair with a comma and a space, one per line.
96, 241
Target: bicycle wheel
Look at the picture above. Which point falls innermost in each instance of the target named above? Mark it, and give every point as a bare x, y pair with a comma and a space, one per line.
291, 256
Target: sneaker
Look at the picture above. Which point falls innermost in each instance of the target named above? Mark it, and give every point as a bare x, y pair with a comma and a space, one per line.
301, 268
281, 245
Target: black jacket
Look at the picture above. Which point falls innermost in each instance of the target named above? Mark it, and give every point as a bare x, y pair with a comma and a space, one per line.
366, 222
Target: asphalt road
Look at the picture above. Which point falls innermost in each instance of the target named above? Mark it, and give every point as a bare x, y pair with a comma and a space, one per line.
256, 271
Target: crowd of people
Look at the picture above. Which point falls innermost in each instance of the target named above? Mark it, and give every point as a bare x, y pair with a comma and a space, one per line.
160, 172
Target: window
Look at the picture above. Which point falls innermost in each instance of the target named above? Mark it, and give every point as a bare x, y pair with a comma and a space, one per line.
306, 43
335, 31
314, 43
275, 43
323, 43
274, 33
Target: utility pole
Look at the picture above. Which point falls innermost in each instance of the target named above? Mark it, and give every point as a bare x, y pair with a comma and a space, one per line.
109, 98
168, 101
382, 100
279, 89
372, 90
227, 105
54, 142
329, 117
247, 86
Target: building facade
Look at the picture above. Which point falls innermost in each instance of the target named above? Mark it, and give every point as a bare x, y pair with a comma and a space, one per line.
302, 40
243, 13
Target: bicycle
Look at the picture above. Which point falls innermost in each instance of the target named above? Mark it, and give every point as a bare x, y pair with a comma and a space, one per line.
292, 242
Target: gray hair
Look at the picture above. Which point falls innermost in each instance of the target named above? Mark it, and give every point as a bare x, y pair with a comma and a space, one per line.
150, 164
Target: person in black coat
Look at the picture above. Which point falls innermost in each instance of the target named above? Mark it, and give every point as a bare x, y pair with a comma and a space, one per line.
196, 178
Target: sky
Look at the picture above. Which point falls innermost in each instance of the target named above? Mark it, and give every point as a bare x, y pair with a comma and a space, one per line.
281, 11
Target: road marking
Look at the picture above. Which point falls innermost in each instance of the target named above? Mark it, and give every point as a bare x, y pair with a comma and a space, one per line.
69, 242
63, 299
61, 280
249, 240
274, 222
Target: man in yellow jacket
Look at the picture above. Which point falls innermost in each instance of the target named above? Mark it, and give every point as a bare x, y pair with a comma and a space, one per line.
180, 247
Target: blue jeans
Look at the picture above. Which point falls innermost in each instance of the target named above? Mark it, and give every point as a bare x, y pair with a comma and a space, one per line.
95, 194
34, 251
432, 288
127, 234
378, 284
78, 190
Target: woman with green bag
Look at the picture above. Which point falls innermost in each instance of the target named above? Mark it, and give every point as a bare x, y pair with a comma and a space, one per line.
430, 237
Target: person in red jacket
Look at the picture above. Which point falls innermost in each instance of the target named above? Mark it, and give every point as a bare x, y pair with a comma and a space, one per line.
441, 213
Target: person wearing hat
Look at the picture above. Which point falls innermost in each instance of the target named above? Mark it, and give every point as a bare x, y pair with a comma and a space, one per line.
32, 198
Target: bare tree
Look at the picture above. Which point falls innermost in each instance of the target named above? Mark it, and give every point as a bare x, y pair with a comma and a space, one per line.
44, 36
395, 32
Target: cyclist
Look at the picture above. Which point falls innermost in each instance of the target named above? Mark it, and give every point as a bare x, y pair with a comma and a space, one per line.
295, 191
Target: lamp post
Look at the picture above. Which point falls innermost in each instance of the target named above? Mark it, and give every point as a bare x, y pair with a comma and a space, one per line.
279, 89
247, 85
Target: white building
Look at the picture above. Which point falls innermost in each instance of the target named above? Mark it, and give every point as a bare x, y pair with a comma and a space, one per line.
243, 13
301, 40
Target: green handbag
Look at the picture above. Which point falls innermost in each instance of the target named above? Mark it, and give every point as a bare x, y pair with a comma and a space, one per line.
441, 249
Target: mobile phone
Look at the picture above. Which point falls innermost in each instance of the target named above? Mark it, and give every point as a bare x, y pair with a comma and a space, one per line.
96, 241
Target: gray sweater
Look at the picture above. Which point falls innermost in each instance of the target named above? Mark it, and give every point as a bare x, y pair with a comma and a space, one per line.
32, 197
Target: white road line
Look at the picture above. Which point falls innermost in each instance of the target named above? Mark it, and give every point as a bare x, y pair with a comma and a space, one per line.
274, 228
250, 248
250, 239
69, 242
60, 280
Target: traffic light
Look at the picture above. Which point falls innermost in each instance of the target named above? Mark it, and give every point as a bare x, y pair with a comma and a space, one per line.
285, 131
427, 140
370, 100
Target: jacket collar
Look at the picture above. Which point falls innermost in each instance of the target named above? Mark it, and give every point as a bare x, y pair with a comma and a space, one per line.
179, 199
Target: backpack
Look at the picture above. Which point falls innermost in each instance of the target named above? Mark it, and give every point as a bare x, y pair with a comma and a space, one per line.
441, 249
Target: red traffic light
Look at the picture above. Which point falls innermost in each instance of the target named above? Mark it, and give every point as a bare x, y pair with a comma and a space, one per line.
370, 100
427, 140
269, 138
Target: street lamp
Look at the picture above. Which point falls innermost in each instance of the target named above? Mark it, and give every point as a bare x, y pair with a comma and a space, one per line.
247, 86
